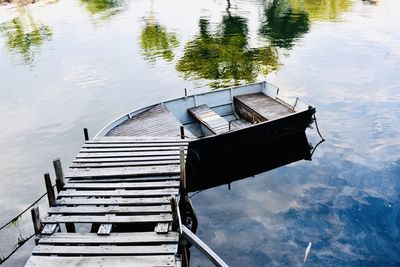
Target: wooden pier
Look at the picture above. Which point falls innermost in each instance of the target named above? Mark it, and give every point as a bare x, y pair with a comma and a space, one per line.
115, 206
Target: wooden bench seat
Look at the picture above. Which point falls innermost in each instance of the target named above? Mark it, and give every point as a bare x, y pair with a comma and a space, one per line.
214, 123
258, 107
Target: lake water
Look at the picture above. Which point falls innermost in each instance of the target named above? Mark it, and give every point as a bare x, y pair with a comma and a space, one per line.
69, 64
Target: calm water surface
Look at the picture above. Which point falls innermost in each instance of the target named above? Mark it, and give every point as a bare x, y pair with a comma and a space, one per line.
69, 64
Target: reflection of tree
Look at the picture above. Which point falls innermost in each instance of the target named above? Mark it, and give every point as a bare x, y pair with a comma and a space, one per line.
321, 9
156, 42
284, 25
224, 57
25, 36
106, 8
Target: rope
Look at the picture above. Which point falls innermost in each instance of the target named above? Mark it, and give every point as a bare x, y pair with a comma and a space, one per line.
25, 210
316, 125
20, 243
319, 133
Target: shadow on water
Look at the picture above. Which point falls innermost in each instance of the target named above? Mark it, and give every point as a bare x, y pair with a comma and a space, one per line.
24, 35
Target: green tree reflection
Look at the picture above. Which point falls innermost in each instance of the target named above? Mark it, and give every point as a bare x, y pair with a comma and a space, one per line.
283, 24
25, 36
321, 10
156, 42
224, 57
104, 8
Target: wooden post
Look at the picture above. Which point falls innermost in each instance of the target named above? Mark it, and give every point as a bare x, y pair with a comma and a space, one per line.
185, 92
229, 186
182, 132
175, 223
86, 134
182, 168
50, 191
37, 223
59, 175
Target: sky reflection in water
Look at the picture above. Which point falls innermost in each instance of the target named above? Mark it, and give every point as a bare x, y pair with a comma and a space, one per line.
62, 71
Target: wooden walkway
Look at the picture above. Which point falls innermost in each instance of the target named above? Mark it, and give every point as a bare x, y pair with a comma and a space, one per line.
115, 206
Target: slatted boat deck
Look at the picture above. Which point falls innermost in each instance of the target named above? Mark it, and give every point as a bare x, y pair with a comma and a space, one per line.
115, 206
157, 121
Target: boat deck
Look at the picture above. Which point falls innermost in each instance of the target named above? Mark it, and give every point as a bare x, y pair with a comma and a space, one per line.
157, 121
115, 207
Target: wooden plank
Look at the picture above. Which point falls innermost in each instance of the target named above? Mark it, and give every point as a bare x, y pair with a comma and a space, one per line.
137, 138
49, 229
123, 164
122, 155
122, 180
112, 201
132, 145
118, 193
104, 229
154, 142
113, 238
130, 149
162, 228
126, 261
124, 171
105, 158
111, 209
105, 250
127, 185
108, 219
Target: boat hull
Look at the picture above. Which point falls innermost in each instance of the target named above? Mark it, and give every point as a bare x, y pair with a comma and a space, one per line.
225, 158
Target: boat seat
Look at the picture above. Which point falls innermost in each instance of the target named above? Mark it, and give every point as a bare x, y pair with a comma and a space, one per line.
211, 122
258, 107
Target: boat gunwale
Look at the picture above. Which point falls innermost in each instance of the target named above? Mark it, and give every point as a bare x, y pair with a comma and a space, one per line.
123, 118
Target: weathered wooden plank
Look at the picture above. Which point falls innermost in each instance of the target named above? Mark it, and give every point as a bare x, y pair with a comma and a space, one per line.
126, 261
112, 201
110, 209
154, 142
112, 238
49, 229
162, 228
108, 219
132, 145
122, 180
105, 158
131, 149
105, 250
137, 138
118, 193
104, 229
124, 171
123, 164
124, 185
